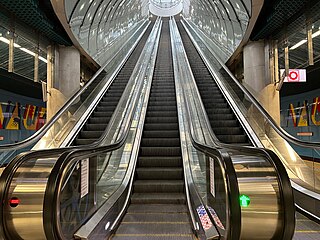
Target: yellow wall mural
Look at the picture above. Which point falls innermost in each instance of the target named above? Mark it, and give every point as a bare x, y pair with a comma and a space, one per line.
17, 117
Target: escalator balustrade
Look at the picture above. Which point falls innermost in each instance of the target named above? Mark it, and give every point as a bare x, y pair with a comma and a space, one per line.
158, 204
99, 119
223, 121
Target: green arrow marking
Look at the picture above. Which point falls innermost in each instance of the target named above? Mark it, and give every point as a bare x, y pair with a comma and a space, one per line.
244, 200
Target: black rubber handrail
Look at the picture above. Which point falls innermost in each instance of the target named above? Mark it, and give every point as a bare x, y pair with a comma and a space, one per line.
52, 193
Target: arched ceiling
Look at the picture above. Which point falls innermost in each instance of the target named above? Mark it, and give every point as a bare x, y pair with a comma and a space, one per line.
96, 24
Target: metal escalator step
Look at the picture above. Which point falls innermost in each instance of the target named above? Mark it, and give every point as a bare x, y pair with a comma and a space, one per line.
84, 141
162, 103
156, 217
161, 134
155, 98
218, 111
222, 117
105, 108
159, 126
99, 120
233, 138
160, 151
153, 173
157, 208
228, 131
108, 103
95, 127
160, 142
90, 134
162, 108
162, 114
158, 198
158, 186
208, 98
155, 237
154, 229
102, 114
225, 123
155, 161
163, 94
215, 105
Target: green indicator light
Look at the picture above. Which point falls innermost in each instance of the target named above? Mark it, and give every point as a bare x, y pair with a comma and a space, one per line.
244, 200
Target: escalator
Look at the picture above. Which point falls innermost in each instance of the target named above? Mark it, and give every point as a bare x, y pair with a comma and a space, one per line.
99, 119
158, 204
223, 121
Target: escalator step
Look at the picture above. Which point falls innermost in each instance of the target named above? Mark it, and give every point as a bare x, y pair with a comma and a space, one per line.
158, 198
161, 134
228, 131
99, 120
90, 134
157, 217
154, 230
159, 126
157, 208
162, 119
162, 114
84, 141
159, 173
158, 186
95, 127
221, 117
233, 138
226, 123
160, 151
161, 142
155, 161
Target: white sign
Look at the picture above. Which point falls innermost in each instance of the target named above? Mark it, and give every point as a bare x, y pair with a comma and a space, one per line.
295, 75
212, 188
84, 177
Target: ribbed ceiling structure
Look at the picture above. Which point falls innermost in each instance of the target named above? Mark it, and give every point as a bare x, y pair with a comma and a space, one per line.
97, 24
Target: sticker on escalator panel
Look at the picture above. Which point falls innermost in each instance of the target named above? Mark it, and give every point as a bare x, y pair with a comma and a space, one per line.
204, 218
84, 177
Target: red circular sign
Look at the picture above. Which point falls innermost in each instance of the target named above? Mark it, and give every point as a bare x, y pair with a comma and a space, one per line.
293, 76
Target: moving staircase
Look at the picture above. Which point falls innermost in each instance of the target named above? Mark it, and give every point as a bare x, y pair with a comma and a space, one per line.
223, 121
158, 204
99, 119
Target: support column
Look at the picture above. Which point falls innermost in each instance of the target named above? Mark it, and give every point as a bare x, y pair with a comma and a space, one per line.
258, 76
63, 76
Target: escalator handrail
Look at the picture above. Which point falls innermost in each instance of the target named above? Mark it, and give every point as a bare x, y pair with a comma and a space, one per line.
59, 172
41, 132
231, 179
264, 113
19, 160
217, 148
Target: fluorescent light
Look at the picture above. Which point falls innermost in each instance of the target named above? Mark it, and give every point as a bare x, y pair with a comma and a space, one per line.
298, 44
316, 34
28, 51
2, 39
7, 41
43, 59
